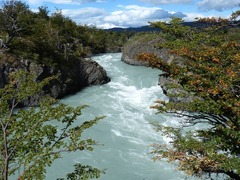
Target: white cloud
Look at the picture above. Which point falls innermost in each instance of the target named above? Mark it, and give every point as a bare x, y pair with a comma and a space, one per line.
85, 1
127, 16
191, 16
219, 5
84, 12
38, 2
87, 16
166, 1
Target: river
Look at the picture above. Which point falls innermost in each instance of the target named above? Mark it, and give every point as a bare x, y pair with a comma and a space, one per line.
126, 132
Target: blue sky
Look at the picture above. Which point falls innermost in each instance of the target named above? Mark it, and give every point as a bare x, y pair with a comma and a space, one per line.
135, 13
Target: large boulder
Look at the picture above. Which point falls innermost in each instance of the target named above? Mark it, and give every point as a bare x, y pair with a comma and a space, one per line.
149, 44
70, 78
136, 46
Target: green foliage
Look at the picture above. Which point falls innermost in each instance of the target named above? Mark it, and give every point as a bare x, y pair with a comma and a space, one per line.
235, 15
175, 30
202, 151
143, 37
82, 172
51, 39
14, 19
209, 72
30, 137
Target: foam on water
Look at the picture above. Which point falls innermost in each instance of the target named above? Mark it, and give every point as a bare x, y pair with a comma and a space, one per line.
126, 132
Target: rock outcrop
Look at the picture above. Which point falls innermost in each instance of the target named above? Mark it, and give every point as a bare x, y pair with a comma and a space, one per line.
150, 44
137, 46
71, 78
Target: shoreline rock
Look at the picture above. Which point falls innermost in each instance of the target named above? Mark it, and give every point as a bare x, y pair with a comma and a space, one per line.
149, 45
71, 78
134, 47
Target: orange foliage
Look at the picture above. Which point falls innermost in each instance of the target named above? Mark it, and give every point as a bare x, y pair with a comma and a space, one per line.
216, 60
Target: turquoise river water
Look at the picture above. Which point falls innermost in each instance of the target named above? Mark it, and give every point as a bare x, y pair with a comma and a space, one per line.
126, 132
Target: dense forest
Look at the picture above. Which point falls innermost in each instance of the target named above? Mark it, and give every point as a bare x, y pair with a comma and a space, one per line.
51, 38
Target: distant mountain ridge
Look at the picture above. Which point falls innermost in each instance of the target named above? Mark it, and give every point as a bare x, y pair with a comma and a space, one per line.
133, 29
150, 29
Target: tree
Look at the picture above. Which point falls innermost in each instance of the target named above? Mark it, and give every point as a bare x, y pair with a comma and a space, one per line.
30, 137
83, 172
210, 74
235, 15
43, 12
13, 15
50, 39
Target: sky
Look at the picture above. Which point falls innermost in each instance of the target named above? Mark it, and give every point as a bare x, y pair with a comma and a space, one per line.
135, 13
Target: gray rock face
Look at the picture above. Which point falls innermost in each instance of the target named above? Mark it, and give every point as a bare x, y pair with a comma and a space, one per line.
144, 44
172, 86
94, 73
148, 45
3, 78
135, 47
71, 78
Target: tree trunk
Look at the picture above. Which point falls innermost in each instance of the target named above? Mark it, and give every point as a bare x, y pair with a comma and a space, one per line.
5, 175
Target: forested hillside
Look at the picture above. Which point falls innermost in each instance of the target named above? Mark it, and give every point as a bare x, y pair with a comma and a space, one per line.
51, 38
205, 67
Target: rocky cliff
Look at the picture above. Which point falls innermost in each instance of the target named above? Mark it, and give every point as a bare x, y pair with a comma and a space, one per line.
150, 44
71, 78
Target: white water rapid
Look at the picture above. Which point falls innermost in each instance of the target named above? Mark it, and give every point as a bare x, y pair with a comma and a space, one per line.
126, 132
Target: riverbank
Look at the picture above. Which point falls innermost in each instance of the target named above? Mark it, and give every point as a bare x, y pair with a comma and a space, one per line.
149, 43
71, 77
